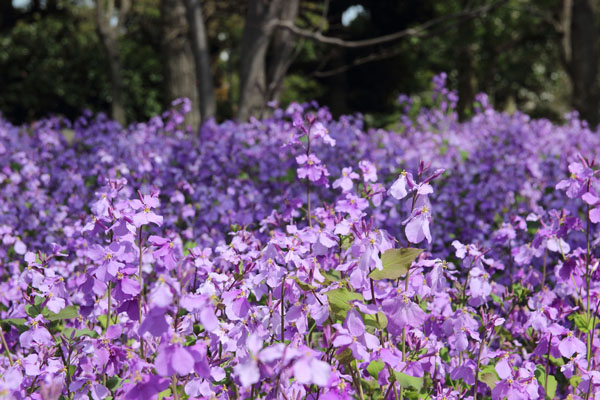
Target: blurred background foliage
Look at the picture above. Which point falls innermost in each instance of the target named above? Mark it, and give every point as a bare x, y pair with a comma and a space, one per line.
52, 60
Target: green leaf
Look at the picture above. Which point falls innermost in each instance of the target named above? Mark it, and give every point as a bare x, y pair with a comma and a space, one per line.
32, 310
574, 381
164, 393
445, 354
339, 299
77, 333
497, 299
408, 381
102, 320
113, 383
68, 312
540, 374
345, 357
396, 263
489, 376
371, 320
582, 322
18, 323
374, 368
303, 285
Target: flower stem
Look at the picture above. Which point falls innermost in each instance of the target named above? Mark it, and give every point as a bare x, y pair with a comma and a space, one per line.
6, 349
404, 333
587, 279
356, 379
547, 366
481, 346
141, 280
108, 307
282, 308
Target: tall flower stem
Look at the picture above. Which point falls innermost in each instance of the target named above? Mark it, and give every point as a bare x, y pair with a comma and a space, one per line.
282, 309
374, 301
481, 346
141, 280
6, 349
547, 366
308, 213
109, 289
404, 332
587, 277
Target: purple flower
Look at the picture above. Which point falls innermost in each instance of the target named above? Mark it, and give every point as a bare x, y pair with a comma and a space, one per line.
36, 334
145, 215
417, 226
353, 205
570, 345
402, 312
173, 359
165, 250
345, 181
353, 335
311, 168
368, 170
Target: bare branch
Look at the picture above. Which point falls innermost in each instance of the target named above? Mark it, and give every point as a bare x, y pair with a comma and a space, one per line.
416, 31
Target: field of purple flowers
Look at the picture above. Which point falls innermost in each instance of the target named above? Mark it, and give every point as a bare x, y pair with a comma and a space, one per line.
301, 257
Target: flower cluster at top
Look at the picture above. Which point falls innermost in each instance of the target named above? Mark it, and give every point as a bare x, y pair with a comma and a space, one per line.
299, 257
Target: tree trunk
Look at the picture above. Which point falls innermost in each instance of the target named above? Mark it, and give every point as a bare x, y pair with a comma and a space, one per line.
465, 68
255, 42
283, 49
206, 92
109, 37
178, 58
580, 53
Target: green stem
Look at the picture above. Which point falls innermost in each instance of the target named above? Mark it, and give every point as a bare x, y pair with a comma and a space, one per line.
141, 280
547, 366
6, 349
477, 368
356, 380
404, 334
587, 279
108, 308
282, 308
174, 387
589, 391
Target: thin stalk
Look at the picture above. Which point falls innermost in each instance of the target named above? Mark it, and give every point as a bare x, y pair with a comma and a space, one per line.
404, 335
108, 308
374, 301
282, 309
308, 214
587, 278
356, 380
174, 387
141, 280
6, 349
477, 368
589, 391
544, 272
547, 366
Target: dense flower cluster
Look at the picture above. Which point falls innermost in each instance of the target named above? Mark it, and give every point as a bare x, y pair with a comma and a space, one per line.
301, 257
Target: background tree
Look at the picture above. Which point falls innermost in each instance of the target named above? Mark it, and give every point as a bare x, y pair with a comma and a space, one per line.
528, 55
206, 91
109, 23
178, 58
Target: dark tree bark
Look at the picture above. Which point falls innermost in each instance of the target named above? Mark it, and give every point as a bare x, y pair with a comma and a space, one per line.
284, 43
465, 69
206, 92
580, 54
255, 42
178, 58
109, 37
